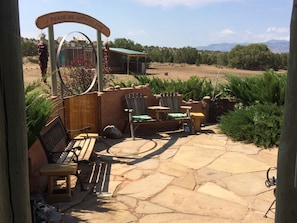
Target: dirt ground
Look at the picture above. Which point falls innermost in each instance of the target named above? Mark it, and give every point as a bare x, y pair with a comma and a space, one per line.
185, 71
163, 71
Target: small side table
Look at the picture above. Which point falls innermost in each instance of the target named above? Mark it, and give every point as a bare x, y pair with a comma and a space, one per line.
158, 110
58, 170
196, 118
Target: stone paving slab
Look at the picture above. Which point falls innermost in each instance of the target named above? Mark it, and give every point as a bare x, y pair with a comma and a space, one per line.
146, 187
186, 201
246, 184
172, 169
146, 207
100, 210
250, 149
214, 190
186, 181
182, 218
234, 162
195, 157
268, 156
149, 164
207, 140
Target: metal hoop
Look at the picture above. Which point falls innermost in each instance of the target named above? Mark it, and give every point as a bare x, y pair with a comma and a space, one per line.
58, 63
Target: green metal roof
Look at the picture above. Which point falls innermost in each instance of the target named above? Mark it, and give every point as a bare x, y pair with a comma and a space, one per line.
128, 52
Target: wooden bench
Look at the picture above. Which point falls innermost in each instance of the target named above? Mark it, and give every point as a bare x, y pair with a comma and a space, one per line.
60, 149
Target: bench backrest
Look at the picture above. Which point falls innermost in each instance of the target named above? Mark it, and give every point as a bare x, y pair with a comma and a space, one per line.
137, 102
53, 138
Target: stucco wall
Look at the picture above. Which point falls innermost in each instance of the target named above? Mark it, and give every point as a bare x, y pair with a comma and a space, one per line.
112, 105
99, 109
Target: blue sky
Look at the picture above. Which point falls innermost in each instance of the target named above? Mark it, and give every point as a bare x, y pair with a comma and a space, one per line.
169, 23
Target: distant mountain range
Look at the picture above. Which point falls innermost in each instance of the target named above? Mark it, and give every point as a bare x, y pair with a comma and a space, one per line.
275, 46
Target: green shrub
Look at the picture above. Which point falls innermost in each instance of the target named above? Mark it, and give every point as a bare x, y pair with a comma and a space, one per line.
259, 124
194, 88
266, 88
38, 110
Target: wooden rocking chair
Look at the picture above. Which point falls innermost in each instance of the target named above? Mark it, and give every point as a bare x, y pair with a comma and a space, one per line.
136, 109
177, 112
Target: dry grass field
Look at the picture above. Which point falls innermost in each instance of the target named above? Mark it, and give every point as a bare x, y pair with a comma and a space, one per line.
163, 71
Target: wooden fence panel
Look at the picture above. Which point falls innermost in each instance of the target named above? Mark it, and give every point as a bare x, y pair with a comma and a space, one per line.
81, 111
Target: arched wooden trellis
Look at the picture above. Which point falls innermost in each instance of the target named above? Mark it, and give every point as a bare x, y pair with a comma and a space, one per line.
50, 19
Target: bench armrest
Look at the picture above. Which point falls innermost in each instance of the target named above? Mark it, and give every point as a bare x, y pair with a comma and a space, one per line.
81, 130
84, 129
187, 108
130, 110
73, 151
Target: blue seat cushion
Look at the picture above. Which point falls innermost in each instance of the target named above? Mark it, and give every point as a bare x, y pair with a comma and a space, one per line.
141, 117
176, 115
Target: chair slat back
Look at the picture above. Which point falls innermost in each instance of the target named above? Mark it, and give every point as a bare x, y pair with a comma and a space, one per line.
137, 102
170, 100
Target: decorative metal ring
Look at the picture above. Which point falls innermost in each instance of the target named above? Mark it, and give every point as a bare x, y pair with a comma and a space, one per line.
58, 62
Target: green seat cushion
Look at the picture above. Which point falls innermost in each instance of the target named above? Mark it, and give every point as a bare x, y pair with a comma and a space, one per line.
176, 115
141, 117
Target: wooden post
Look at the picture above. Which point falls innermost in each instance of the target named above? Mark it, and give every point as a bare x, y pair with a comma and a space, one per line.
128, 65
137, 67
286, 193
99, 62
14, 186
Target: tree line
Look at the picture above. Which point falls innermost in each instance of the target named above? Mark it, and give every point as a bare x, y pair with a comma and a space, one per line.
249, 57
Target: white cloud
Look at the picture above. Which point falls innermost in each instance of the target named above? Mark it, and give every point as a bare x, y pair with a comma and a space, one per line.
173, 3
224, 35
273, 33
285, 38
227, 32
271, 36
248, 32
231, 36
277, 30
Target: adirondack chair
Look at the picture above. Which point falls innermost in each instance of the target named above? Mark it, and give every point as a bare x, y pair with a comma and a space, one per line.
136, 108
177, 112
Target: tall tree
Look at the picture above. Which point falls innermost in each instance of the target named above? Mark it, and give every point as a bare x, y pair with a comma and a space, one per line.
286, 191
14, 186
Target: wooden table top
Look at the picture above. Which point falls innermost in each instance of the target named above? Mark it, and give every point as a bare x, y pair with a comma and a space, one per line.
158, 107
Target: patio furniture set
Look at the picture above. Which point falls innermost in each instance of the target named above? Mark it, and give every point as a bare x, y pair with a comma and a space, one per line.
168, 110
64, 154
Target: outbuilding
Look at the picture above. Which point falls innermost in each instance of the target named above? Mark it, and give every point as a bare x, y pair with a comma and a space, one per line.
120, 60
